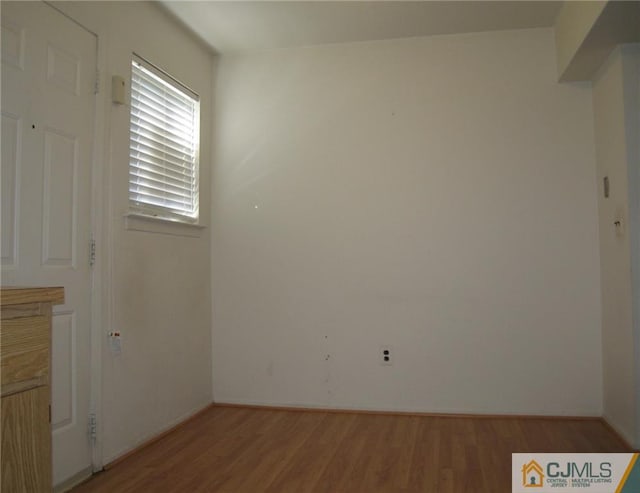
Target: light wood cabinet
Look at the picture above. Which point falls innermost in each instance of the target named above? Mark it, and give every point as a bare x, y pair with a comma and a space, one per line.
25, 366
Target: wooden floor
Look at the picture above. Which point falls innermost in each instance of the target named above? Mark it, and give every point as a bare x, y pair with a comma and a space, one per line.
234, 450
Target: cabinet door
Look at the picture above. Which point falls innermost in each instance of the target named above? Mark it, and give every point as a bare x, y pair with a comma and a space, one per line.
26, 442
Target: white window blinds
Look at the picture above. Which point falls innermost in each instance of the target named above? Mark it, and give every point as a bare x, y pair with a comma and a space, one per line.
163, 157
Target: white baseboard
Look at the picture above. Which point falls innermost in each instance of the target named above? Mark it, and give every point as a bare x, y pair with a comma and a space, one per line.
416, 410
154, 434
74, 480
625, 435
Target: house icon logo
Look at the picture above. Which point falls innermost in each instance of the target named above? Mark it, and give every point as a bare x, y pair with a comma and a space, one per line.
532, 475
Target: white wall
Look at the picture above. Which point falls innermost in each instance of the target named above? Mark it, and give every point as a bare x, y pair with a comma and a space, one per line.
617, 157
617, 340
160, 283
433, 194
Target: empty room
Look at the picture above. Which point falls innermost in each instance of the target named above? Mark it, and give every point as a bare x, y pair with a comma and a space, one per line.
320, 246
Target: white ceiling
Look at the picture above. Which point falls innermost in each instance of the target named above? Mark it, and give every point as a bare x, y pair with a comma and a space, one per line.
240, 26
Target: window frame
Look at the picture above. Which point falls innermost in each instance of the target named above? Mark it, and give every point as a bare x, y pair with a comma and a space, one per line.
158, 212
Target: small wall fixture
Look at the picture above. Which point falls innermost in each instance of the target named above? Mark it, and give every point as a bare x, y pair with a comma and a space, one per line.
118, 92
606, 187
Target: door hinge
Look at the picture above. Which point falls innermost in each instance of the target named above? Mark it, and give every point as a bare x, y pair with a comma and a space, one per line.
93, 426
92, 251
49, 413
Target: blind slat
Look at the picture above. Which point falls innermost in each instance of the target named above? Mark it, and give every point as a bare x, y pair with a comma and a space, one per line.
150, 199
158, 190
156, 149
185, 180
160, 181
153, 108
162, 98
149, 161
159, 135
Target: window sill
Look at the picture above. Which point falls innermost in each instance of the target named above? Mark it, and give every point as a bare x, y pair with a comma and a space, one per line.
152, 224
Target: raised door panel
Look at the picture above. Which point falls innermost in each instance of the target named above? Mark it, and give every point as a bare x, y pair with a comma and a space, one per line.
11, 147
13, 41
64, 369
59, 205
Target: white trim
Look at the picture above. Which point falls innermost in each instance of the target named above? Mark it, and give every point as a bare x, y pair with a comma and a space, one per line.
101, 278
69, 483
134, 221
141, 441
621, 432
101, 228
212, 311
354, 407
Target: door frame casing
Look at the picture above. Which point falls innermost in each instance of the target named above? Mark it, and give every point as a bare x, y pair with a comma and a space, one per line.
100, 232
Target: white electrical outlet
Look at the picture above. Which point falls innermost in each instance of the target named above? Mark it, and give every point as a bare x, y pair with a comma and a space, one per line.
115, 343
386, 355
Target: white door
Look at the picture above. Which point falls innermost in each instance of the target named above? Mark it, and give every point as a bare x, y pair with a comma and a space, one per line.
48, 105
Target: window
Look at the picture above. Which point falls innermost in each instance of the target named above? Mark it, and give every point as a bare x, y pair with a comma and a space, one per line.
164, 145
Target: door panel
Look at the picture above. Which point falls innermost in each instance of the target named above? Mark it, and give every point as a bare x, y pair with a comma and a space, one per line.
59, 199
63, 388
11, 131
48, 107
